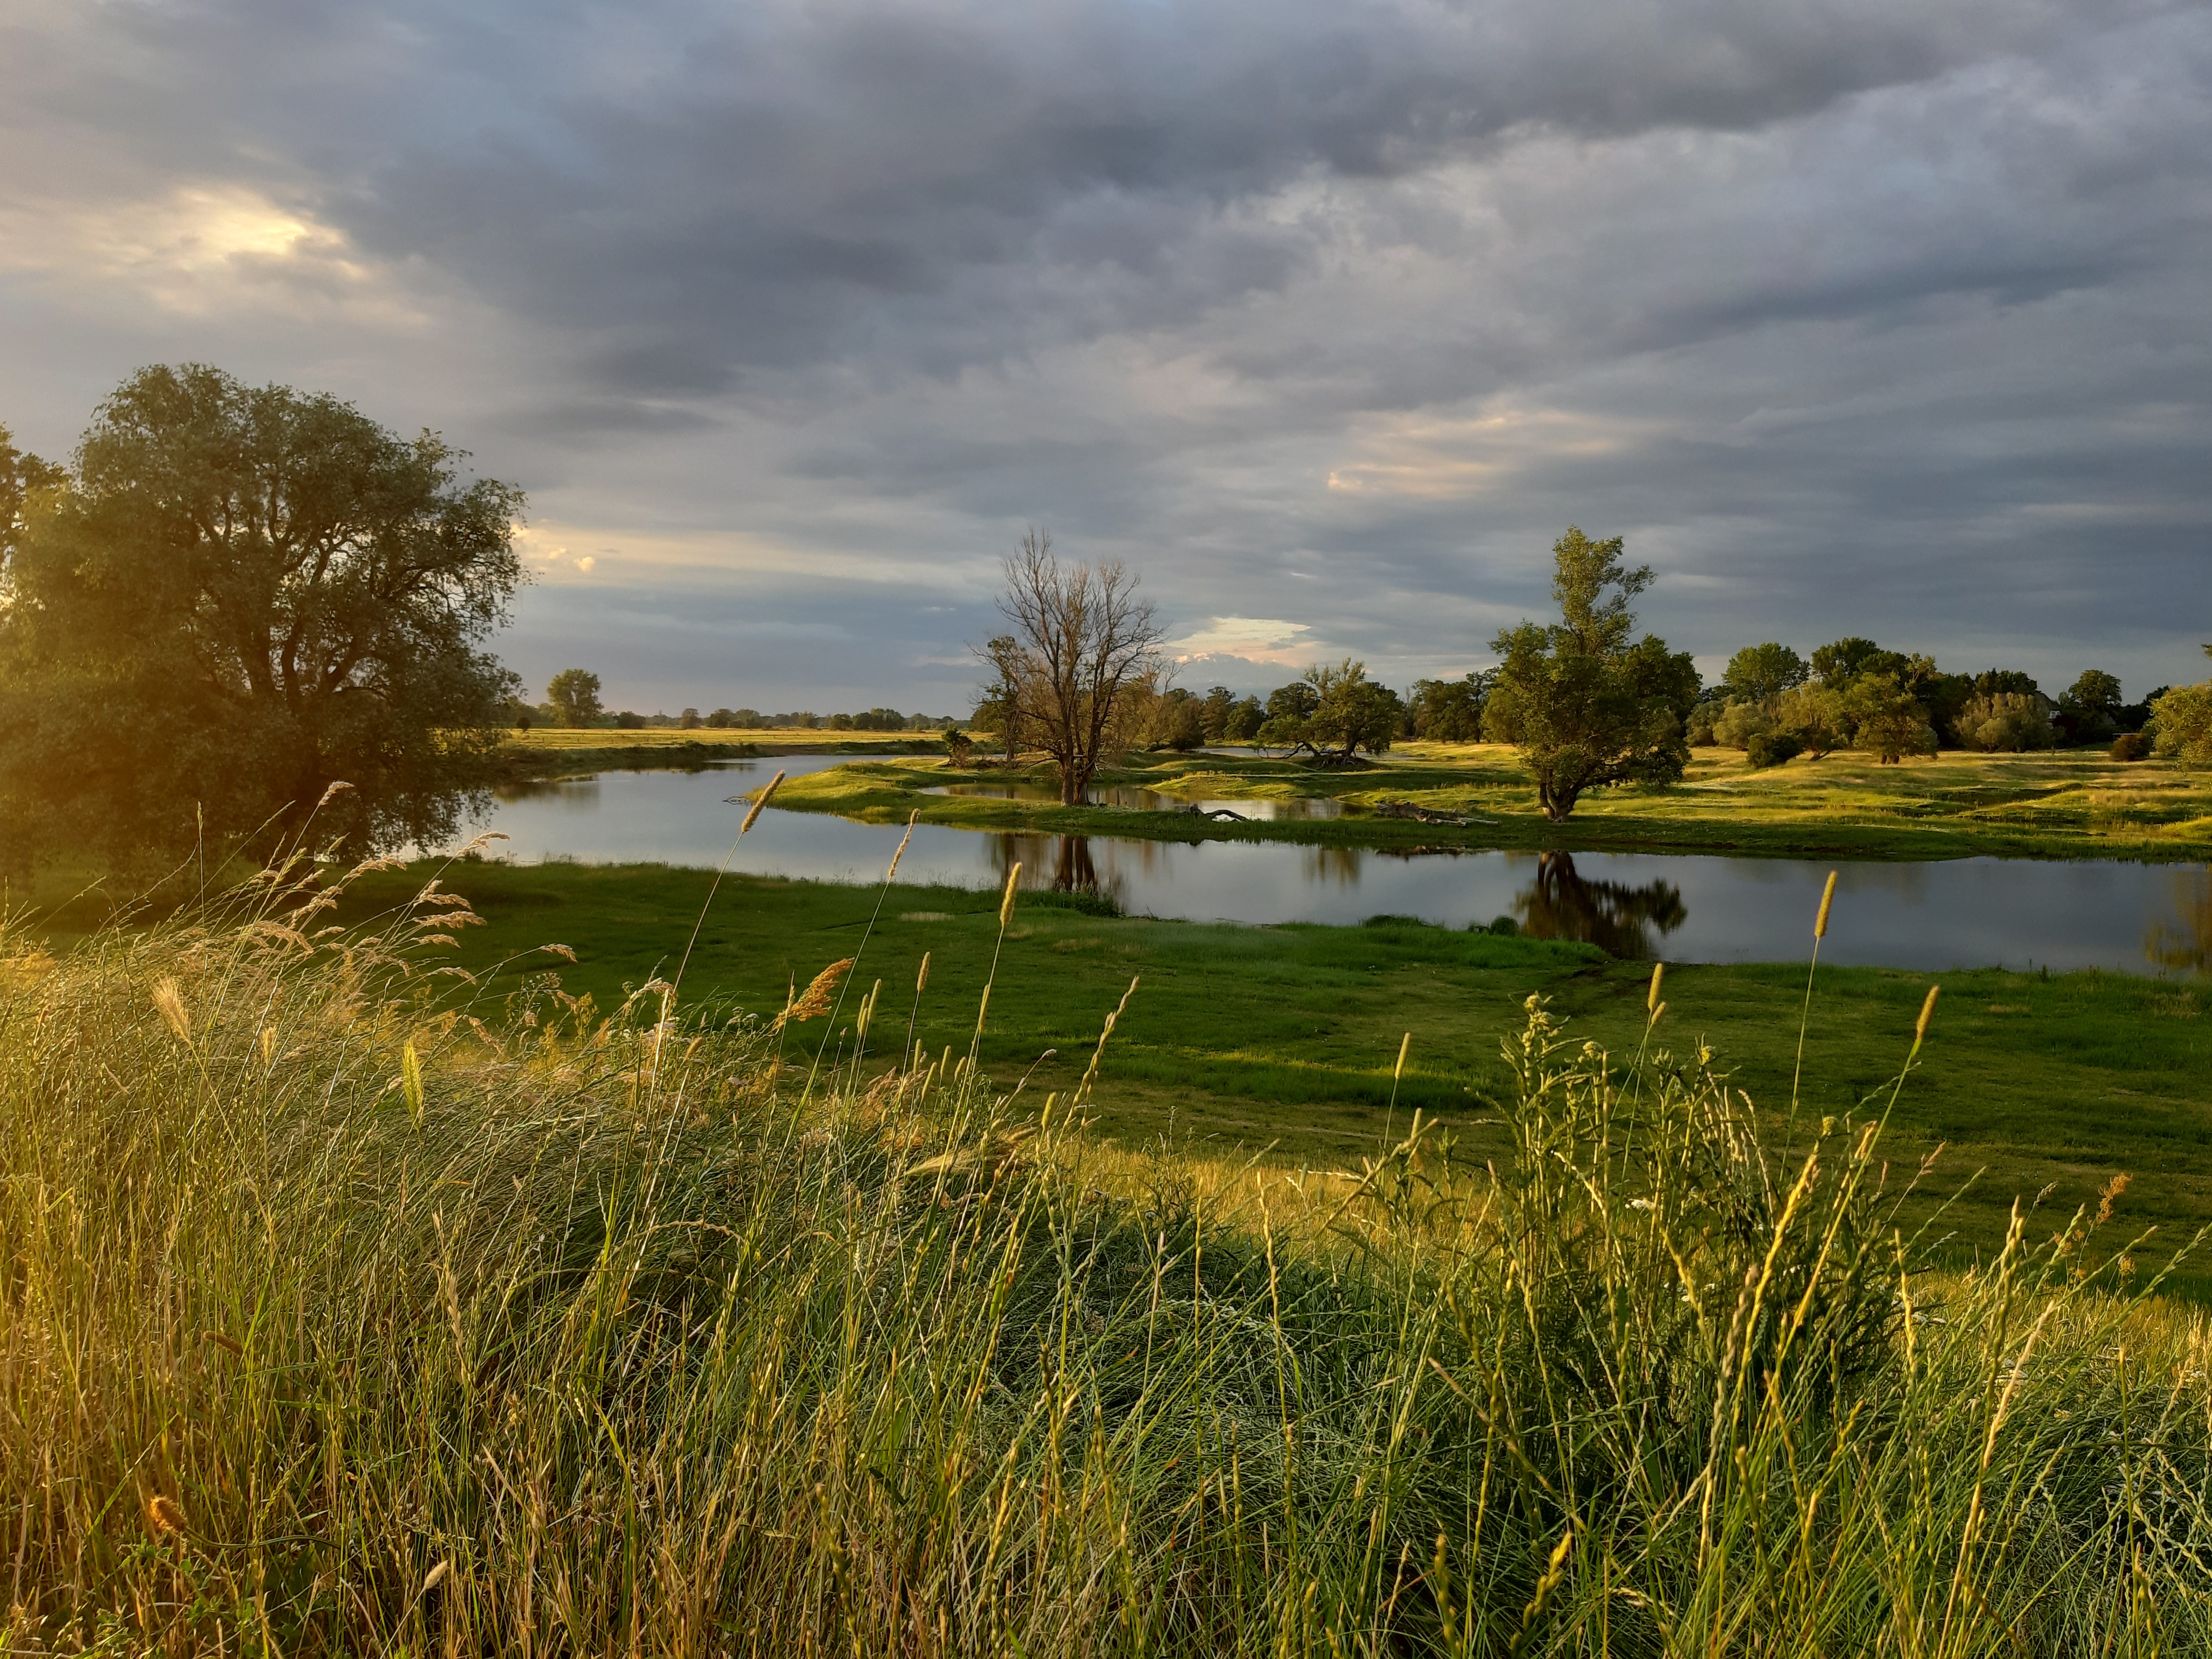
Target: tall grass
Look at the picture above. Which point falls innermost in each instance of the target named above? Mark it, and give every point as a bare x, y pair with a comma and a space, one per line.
334, 1322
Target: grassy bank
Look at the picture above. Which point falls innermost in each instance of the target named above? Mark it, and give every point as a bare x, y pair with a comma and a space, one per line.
334, 1325
562, 752
2076, 804
1278, 1041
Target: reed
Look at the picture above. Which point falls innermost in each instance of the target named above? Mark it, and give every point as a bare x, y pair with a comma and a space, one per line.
579, 1333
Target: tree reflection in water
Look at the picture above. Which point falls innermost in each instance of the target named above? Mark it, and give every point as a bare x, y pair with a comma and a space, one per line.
1618, 918
2189, 947
1062, 863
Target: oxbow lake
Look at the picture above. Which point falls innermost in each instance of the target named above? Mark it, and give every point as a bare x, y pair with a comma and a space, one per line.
1963, 913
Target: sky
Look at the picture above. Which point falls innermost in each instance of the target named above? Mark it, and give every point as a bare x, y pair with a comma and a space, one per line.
1891, 318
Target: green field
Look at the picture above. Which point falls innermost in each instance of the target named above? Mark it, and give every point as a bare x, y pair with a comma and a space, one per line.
2073, 804
334, 1323
1278, 1043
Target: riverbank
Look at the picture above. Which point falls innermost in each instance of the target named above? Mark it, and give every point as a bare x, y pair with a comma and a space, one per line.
1276, 1043
543, 754
2069, 805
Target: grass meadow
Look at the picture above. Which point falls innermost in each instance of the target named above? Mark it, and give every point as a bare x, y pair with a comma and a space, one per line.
1279, 1044
355, 1304
2068, 803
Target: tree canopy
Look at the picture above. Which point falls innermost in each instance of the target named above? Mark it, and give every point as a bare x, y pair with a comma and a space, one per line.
1590, 709
238, 598
574, 695
1080, 642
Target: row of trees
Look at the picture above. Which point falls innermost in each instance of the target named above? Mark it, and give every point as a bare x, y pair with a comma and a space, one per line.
572, 699
1773, 703
1589, 702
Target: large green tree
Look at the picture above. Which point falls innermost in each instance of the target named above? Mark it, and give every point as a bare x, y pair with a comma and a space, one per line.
1759, 674
238, 598
1592, 706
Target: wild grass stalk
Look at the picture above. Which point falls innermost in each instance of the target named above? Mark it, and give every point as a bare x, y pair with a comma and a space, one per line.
305, 1347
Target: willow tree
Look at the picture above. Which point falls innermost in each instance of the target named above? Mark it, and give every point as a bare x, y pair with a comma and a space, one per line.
1079, 642
1590, 706
236, 598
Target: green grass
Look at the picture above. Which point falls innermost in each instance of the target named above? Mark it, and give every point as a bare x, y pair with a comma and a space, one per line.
2076, 803
330, 1324
565, 751
1278, 1041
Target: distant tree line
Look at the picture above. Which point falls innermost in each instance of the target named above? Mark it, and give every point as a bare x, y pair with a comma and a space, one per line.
1774, 704
572, 700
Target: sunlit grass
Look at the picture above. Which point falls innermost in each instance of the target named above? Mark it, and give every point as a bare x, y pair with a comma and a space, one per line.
336, 1321
2071, 804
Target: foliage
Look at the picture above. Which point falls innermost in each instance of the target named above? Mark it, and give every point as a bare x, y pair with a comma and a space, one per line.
1839, 664
574, 695
23, 478
1081, 639
1816, 716
1350, 712
1287, 709
339, 1325
1741, 722
1772, 748
1759, 674
242, 599
2010, 722
2090, 708
1887, 719
1450, 711
2131, 746
2182, 722
1589, 709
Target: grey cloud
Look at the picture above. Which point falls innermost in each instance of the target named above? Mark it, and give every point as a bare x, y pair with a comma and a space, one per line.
1882, 318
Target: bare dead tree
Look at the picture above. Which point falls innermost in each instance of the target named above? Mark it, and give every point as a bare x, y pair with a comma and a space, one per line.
1080, 638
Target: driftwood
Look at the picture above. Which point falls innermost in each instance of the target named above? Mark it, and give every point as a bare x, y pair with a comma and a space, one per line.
1212, 813
1406, 809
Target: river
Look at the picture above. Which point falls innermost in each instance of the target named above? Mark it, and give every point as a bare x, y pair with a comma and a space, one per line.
1969, 913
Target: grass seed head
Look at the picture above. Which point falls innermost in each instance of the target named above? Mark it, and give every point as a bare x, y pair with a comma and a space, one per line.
1006, 904
921, 976
169, 1002
1651, 999
1404, 1043
165, 1516
891, 874
761, 800
1827, 897
1926, 1013
820, 993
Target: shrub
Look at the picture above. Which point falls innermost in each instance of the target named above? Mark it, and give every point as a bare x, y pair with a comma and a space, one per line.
2181, 722
1740, 722
1815, 715
1772, 748
2131, 746
2011, 722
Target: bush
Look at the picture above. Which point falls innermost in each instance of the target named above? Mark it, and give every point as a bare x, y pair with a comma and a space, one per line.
1772, 748
1740, 722
2181, 724
583, 1332
2131, 746
2010, 722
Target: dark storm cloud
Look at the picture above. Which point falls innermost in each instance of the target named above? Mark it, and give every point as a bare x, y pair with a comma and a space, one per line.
1884, 317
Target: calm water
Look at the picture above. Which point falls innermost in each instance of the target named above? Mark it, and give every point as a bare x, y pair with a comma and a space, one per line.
1153, 800
1963, 913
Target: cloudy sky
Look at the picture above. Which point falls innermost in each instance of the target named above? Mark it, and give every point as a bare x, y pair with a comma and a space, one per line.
1884, 317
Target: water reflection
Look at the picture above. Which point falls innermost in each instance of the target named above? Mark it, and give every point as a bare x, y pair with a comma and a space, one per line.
2188, 946
1296, 810
1962, 913
1615, 917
